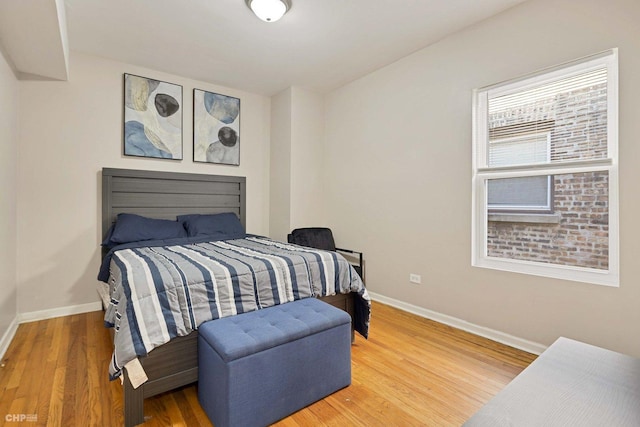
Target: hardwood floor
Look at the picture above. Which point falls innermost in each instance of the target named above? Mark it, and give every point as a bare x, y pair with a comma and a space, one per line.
411, 372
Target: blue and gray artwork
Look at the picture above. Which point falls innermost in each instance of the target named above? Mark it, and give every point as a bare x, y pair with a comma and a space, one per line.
216, 124
223, 108
153, 118
137, 143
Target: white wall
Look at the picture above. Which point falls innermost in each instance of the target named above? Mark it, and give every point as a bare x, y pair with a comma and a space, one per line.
280, 168
307, 118
8, 158
297, 119
69, 131
398, 173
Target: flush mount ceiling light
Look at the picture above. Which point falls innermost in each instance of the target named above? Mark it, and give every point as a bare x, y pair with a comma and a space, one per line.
269, 10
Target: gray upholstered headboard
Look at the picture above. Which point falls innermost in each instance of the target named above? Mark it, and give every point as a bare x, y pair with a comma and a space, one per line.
168, 194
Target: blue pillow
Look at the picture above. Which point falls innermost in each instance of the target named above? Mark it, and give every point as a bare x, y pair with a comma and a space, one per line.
135, 228
219, 226
107, 239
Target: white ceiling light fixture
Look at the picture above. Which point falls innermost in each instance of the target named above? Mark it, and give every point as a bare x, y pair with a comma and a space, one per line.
269, 10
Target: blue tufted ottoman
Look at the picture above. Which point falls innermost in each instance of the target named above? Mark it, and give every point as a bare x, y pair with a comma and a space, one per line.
259, 367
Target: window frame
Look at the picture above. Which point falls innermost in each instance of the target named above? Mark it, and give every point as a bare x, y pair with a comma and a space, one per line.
481, 173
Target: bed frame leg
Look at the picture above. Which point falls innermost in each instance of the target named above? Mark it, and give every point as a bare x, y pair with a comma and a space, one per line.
133, 403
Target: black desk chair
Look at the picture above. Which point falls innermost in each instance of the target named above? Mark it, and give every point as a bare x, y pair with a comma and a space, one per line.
322, 238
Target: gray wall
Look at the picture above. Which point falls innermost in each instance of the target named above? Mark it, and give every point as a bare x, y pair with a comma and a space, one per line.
297, 119
398, 173
69, 131
8, 159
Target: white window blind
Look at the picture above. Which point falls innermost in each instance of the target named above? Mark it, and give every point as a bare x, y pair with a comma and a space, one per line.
541, 92
528, 149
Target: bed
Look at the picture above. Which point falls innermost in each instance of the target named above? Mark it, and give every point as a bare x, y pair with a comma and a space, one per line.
166, 195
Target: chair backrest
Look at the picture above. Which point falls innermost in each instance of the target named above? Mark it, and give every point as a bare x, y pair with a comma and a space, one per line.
313, 237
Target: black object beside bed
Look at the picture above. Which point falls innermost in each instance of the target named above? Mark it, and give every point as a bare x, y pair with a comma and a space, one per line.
165, 195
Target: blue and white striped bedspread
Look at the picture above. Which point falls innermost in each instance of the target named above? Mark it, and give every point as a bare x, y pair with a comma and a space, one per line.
161, 292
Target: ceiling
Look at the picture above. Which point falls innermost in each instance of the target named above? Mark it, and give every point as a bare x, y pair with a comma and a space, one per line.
318, 44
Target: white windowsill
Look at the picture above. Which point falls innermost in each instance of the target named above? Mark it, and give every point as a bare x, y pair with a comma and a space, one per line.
531, 218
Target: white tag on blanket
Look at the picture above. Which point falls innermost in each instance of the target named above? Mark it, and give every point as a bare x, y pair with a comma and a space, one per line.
136, 373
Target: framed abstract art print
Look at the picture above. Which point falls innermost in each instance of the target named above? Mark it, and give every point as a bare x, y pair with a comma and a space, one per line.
216, 128
152, 118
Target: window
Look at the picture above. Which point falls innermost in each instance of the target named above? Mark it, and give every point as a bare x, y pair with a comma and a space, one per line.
545, 145
520, 195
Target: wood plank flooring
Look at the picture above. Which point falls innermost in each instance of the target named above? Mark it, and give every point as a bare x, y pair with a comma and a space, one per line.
411, 372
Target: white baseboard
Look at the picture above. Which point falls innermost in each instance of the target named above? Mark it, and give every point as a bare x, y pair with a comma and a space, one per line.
58, 312
501, 337
8, 337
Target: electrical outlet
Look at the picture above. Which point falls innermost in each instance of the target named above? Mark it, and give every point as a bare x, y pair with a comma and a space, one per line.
415, 278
